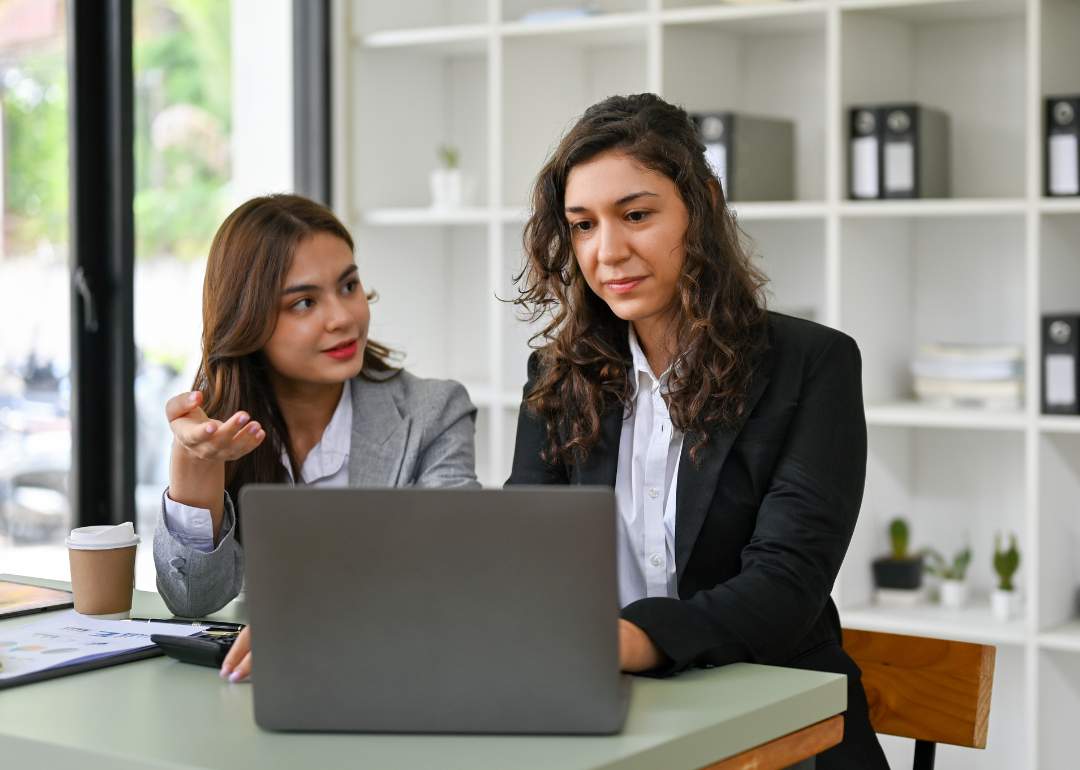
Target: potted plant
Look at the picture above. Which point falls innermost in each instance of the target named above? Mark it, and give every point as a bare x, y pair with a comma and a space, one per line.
449, 184
899, 570
1005, 600
954, 589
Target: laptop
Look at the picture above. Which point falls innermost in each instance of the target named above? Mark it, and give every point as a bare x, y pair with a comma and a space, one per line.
434, 611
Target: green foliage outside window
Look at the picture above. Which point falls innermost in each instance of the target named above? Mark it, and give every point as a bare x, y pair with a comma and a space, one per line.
183, 82
34, 94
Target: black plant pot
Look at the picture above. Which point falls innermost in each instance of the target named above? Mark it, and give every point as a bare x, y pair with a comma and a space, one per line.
898, 573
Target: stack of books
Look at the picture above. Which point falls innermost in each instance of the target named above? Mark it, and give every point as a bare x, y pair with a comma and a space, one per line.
970, 376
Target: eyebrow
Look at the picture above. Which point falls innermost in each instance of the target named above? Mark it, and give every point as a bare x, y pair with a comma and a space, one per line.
620, 202
300, 288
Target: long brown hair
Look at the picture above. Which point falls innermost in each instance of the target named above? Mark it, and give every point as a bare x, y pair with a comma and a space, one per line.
718, 317
249, 259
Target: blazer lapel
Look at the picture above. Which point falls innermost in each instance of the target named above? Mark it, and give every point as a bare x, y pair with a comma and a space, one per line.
379, 436
697, 483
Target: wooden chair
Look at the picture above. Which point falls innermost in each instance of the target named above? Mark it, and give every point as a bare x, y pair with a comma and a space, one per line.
932, 690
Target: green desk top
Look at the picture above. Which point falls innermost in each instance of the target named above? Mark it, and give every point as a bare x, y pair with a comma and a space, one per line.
160, 713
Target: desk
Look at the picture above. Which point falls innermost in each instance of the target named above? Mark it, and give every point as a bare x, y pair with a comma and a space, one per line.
160, 713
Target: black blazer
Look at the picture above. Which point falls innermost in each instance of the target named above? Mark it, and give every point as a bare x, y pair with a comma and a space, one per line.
763, 520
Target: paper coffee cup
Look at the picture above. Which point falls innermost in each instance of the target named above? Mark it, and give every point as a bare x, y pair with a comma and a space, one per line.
103, 570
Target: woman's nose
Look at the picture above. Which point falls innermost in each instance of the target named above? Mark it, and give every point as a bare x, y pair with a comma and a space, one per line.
338, 316
612, 244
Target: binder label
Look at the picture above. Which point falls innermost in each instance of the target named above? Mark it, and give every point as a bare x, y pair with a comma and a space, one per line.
1064, 165
864, 167
716, 157
899, 167
1060, 380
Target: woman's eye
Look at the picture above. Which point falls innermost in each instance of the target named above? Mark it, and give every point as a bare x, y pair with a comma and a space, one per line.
303, 304
350, 287
637, 216
582, 227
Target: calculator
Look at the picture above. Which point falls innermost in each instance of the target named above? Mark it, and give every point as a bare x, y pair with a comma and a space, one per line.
207, 648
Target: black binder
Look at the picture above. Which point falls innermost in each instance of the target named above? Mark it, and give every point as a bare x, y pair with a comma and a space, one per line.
1063, 145
1060, 359
898, 151
753, 157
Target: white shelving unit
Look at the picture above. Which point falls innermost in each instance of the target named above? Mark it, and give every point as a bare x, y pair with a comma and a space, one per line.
980, 267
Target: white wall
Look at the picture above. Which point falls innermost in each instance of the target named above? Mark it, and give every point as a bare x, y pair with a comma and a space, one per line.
262, 141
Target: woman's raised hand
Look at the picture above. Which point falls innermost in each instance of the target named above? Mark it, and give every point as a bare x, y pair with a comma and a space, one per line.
209, 439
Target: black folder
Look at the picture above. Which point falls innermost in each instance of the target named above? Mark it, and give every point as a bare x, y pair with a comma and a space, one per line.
1063, 145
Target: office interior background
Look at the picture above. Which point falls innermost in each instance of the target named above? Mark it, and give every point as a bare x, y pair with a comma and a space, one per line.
499, 81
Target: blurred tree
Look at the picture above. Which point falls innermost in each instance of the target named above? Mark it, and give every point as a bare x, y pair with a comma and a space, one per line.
34, 96
183, 79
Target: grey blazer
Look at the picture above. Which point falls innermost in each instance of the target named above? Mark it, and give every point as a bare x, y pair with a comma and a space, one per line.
406, 431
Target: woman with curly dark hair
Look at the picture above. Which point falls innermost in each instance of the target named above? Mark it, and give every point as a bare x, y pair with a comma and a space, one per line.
734, 437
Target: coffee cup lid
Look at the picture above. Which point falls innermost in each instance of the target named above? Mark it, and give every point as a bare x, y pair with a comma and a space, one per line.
103, 537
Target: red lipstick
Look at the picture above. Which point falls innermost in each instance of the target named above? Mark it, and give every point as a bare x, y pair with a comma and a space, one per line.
342, 352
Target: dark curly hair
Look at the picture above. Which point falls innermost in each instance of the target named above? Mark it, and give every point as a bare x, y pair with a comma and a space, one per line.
718, 318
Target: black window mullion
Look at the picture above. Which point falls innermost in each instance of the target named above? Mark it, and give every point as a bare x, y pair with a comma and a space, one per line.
102, 482
311, 99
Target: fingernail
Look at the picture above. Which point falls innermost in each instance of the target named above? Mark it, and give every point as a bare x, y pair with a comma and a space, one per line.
192, 396
254, 428
261, 436
210, 428
235, 676
243, 418
225, 671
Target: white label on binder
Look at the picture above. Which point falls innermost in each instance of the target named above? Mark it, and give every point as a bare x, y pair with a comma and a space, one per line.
864, 167
716, 157
1060, 380
1064, 165
899, 167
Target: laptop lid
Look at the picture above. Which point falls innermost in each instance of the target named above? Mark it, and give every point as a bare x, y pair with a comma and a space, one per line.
418, 610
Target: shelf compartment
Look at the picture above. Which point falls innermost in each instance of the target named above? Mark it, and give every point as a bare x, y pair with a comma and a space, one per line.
966, 58
913, 414
428, 17
934, 207
447, 104
801, 15
937, 10
792, 254
548, 83
601, 29
971, 624
463, 39
765, 69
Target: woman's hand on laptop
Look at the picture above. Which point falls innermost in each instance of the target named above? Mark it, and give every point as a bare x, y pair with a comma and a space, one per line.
637, 652
237, 663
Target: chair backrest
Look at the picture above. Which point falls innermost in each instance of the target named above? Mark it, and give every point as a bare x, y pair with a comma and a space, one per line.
927, 689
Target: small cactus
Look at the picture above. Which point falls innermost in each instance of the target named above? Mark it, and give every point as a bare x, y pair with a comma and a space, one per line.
898, 533
941, 568
1006, 562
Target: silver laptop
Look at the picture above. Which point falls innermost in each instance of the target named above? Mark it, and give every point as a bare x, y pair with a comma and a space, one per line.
444, 611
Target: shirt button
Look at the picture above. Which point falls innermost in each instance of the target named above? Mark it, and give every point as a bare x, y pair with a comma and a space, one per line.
654, 492
655, 561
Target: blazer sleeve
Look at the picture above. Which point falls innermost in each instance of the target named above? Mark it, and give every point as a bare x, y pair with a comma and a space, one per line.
802, 530
529, 467
448, 457
194, 584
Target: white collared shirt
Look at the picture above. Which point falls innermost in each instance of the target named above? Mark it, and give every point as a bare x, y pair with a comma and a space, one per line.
327, 465
648, 472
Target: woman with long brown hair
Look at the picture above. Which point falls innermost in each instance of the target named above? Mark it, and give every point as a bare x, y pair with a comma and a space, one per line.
290, 390
734, 437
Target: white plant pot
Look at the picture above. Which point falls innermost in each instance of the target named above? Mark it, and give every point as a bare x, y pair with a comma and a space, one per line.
1005, 604
451, 188
954, 594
